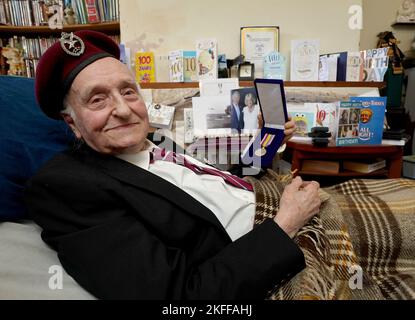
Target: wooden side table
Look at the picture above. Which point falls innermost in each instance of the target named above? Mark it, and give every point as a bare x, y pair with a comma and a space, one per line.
392, 155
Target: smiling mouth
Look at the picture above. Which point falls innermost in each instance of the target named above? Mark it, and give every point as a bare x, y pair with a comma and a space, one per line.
123, 126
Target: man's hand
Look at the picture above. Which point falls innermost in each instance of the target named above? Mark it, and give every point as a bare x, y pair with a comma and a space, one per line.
300, 201
260, 121
289, 130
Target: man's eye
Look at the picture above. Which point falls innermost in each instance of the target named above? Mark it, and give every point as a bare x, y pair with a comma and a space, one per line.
129, 92
97, 100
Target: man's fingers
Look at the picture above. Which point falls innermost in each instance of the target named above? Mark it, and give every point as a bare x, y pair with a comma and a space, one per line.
289, 125
311, 186
296, 183
306, 183
289, 132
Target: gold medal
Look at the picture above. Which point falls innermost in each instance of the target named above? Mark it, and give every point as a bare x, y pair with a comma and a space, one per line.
265, 142
261, 152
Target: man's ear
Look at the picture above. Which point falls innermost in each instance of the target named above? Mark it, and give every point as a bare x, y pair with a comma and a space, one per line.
71, 123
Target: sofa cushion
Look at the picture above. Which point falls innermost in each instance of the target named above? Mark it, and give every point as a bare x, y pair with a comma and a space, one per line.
27, 140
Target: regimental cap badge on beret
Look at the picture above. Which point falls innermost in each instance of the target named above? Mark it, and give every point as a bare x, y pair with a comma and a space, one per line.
72, 44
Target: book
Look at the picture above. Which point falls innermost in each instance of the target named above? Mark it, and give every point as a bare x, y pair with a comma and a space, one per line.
144, 67
3, 63
365, 166
206, 58
176, 66
390, 142
348, 117
372, 117
189, 66
393, 134
3, 19
317, 166
160, 116
305, 56
92, 11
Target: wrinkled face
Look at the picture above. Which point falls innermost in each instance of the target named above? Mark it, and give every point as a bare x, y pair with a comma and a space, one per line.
109, 113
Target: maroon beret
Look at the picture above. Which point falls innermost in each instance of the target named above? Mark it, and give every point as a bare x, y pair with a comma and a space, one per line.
63, 61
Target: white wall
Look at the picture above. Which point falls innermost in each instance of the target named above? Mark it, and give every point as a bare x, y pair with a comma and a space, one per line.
164, 25
378, 16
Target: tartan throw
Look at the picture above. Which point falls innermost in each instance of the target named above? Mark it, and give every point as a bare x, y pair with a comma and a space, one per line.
360, 246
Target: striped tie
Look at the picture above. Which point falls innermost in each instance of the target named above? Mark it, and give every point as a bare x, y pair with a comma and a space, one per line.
162, 154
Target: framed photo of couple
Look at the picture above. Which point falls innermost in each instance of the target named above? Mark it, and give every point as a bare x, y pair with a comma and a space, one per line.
256, 43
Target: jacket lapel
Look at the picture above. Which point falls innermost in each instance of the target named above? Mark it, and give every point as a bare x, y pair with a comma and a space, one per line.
142, 179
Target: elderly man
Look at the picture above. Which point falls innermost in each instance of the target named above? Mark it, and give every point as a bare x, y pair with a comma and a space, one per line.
125, 222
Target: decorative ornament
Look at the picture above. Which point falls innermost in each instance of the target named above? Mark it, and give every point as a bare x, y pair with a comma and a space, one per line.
72, 44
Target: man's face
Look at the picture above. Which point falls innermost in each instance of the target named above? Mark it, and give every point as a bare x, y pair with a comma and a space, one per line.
110, 115
235, 98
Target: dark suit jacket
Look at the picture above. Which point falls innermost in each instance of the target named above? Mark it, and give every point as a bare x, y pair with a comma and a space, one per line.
236, 123
122, 232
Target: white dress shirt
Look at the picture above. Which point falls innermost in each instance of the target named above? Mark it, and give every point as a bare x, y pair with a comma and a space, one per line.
234, 207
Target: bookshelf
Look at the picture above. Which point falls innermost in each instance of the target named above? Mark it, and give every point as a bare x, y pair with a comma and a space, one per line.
34, 40
111, 28
25, 33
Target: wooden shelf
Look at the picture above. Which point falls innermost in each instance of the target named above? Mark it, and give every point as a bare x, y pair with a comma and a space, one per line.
332, 149
336, 84
306, 151
106, 27
401, 24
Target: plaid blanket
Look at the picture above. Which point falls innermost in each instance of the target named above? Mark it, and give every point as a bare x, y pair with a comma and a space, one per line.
360, 245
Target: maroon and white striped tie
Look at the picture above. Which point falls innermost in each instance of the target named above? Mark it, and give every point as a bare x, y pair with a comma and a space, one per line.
162, 154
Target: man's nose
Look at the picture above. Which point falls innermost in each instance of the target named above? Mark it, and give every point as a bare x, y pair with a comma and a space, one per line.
121, 108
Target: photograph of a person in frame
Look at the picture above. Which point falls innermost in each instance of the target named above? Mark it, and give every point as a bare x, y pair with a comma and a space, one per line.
250, 113
235, 110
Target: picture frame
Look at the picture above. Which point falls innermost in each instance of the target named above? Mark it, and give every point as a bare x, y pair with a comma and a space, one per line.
246, 71
257, 42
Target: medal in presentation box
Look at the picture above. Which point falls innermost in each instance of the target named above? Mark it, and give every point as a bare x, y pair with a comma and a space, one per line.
262, 149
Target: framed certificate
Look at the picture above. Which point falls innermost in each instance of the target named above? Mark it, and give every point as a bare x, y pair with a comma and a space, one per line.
256, 43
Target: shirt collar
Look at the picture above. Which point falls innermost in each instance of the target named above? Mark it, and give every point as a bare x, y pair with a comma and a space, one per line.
140, 159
